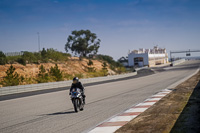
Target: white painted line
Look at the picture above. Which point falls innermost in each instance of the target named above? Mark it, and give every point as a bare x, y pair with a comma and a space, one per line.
151, 99
147, 103
165, 92
110, 129
122, 118
136, 110
157, 95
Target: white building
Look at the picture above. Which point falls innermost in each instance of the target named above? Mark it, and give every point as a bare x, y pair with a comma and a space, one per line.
147, 57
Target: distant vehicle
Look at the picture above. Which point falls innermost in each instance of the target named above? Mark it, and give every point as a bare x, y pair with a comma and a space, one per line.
77, 99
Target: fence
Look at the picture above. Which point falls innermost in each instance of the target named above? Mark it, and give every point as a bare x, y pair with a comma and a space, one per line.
44, 86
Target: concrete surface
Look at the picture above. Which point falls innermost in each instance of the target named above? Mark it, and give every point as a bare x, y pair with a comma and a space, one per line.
53, 112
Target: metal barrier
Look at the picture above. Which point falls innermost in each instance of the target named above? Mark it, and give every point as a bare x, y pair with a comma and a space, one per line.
174, 63
44, 86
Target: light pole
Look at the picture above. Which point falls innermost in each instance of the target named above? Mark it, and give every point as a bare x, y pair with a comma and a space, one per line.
38, 41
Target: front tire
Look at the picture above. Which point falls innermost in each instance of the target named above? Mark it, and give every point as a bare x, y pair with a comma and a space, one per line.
81, 105
75, 103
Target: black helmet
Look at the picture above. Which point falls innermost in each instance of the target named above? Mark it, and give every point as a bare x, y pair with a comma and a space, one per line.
75, 78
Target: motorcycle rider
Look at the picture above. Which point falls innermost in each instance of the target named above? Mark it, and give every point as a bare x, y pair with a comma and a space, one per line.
77, 84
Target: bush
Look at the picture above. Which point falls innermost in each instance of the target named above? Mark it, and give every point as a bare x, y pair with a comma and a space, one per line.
42, 76
104, 69
3, 59
68, 76
12, 78
13, 59
121, 70
56, 55
36, 57
56, 73
79, 75
90, 68
29, 57
114, 65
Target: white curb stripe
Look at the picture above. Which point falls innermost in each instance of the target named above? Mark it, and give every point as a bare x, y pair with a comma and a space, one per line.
151, 99
149, 103
122, 118
136, 110
105, 129
159, 95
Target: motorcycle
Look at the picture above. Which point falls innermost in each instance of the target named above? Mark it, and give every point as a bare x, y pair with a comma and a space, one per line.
77, 99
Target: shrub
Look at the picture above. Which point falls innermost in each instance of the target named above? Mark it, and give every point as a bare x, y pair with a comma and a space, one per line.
90, 68
104, 69
29, 57
12, 78
114, 65
121, 70
56, 55
3, 59
68, 76
42, 76
79, 75
56, 73
13, 59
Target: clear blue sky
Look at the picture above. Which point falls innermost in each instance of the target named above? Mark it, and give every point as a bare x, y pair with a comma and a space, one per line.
121, 25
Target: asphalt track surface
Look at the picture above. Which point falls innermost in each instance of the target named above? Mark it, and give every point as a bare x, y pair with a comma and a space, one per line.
53, 111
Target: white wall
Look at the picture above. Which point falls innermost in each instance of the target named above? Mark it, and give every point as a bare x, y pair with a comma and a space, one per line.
156, 55
131, 57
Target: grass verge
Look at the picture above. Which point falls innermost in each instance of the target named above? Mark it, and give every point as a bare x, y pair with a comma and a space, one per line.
161, 117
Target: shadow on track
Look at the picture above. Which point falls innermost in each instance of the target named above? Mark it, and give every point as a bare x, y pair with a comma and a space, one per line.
61, 113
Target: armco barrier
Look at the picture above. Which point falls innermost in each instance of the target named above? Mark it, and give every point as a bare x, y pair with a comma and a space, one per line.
177, 62
43, 86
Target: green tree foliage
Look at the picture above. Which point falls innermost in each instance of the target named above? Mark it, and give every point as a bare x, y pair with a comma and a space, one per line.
12, 78
56, 55
106, 58
56, 73
29, 57
82, 42
114, 65
42, 76
104, 69
90, 63
3, 59
90, 68
44, 56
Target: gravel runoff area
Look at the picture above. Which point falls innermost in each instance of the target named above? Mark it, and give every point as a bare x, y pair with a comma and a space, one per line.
178, 112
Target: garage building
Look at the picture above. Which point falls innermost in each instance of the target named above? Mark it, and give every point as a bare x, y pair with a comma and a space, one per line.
147, 57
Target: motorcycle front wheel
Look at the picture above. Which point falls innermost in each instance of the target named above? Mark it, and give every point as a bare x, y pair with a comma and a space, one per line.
75, 103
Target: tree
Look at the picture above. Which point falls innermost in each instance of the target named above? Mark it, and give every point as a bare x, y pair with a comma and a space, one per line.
104, 69
44, 53
90, 63
90, 68
82, 42
3, 59
12, 78
56, 73
42, 76
29, 57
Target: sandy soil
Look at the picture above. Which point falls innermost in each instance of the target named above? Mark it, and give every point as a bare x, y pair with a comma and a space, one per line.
72, 66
